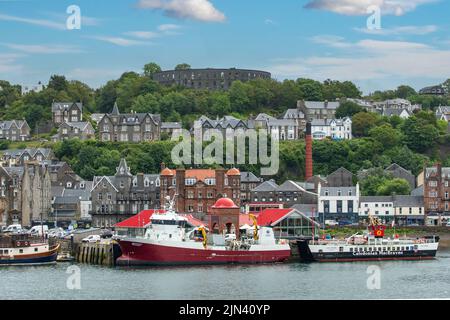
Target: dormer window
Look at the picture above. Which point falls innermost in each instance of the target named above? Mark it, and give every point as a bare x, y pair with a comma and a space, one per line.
146, 183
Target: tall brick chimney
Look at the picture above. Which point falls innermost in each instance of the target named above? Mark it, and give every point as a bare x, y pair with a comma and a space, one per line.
309, 160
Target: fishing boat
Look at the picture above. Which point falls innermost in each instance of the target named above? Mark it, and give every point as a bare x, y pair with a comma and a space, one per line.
167, 242
22, 249
370, 246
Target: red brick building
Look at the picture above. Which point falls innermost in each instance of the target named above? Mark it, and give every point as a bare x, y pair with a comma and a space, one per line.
437, 191
198, 189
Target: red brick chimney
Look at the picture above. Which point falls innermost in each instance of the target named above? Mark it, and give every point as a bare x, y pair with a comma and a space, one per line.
309, 160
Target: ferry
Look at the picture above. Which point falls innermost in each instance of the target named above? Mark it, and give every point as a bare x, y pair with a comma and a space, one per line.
370, 246
167, 242
22, 249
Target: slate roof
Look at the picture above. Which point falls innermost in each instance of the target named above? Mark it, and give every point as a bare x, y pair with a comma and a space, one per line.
376, 199
7, 124
417, 191
247, 176
264, 117
226, 122
328, 122
293, 114
65, 105
333, 191
281, 122
394, 112
408, 201
266, 186
322, 104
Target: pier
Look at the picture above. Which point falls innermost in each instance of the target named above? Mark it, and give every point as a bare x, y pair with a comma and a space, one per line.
100, 253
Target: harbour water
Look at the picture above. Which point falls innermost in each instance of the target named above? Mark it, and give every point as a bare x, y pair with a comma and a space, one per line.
398, 280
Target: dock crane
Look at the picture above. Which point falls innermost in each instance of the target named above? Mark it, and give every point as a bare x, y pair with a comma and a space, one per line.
255, 225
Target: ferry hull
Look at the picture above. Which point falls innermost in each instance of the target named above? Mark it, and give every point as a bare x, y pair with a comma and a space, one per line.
145, 254
348, 257
43, 258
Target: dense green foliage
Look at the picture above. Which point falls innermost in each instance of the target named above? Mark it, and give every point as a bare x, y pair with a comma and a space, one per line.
380, 140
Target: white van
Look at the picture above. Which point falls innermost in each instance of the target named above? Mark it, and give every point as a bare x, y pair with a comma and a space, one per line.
37, 230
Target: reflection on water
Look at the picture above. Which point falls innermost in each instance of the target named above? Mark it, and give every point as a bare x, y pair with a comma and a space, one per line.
399, 280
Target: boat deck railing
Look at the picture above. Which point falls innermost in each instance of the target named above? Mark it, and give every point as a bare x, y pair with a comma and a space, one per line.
8, 241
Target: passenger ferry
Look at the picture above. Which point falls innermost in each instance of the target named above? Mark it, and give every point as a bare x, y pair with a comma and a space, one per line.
21, 249
167, 242
371, 246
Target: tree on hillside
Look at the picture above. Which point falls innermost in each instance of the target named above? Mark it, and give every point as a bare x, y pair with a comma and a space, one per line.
58, 83
420, 136
8, 93
392, 187
405, 91
387, 136
151, 68
348, 109
310, 89
183, 66
363, 122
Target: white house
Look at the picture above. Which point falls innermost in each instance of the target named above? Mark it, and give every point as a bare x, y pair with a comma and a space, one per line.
338, 203
378, 206
336, 129
285, 129
404, 209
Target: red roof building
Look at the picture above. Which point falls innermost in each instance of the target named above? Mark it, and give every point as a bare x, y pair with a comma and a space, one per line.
143, 220
288, 223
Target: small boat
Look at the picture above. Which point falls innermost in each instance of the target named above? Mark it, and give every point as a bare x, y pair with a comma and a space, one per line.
22, 249
371, 246
167, 242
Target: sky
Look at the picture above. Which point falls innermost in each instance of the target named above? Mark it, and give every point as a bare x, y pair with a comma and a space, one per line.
318, 39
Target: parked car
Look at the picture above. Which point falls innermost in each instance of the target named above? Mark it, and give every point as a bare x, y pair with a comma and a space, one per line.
344, 223
39, 230
106, 234
331, 223
92, 238
448, 224
14, 228
56, 233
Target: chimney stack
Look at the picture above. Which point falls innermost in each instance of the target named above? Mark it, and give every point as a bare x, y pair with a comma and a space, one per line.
309, 160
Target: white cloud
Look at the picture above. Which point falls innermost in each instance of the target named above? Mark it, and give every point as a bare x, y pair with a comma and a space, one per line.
359, 7
119, 41
162, 30
403, 30
169, 27
37, 22
8, 63
201, 10
43, 49
370, 60
142, 34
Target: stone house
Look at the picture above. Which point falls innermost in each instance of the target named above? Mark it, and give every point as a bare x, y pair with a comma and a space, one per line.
26, 193
437, 193
15, 130
116, 198
70, 130
129, 127
318, 109
399, 172
67, 112
340, 178
18, 157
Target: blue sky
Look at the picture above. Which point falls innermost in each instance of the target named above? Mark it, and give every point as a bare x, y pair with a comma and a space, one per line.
316, 39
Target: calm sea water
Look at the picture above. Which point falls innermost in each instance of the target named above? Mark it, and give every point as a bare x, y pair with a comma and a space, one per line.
399, 280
